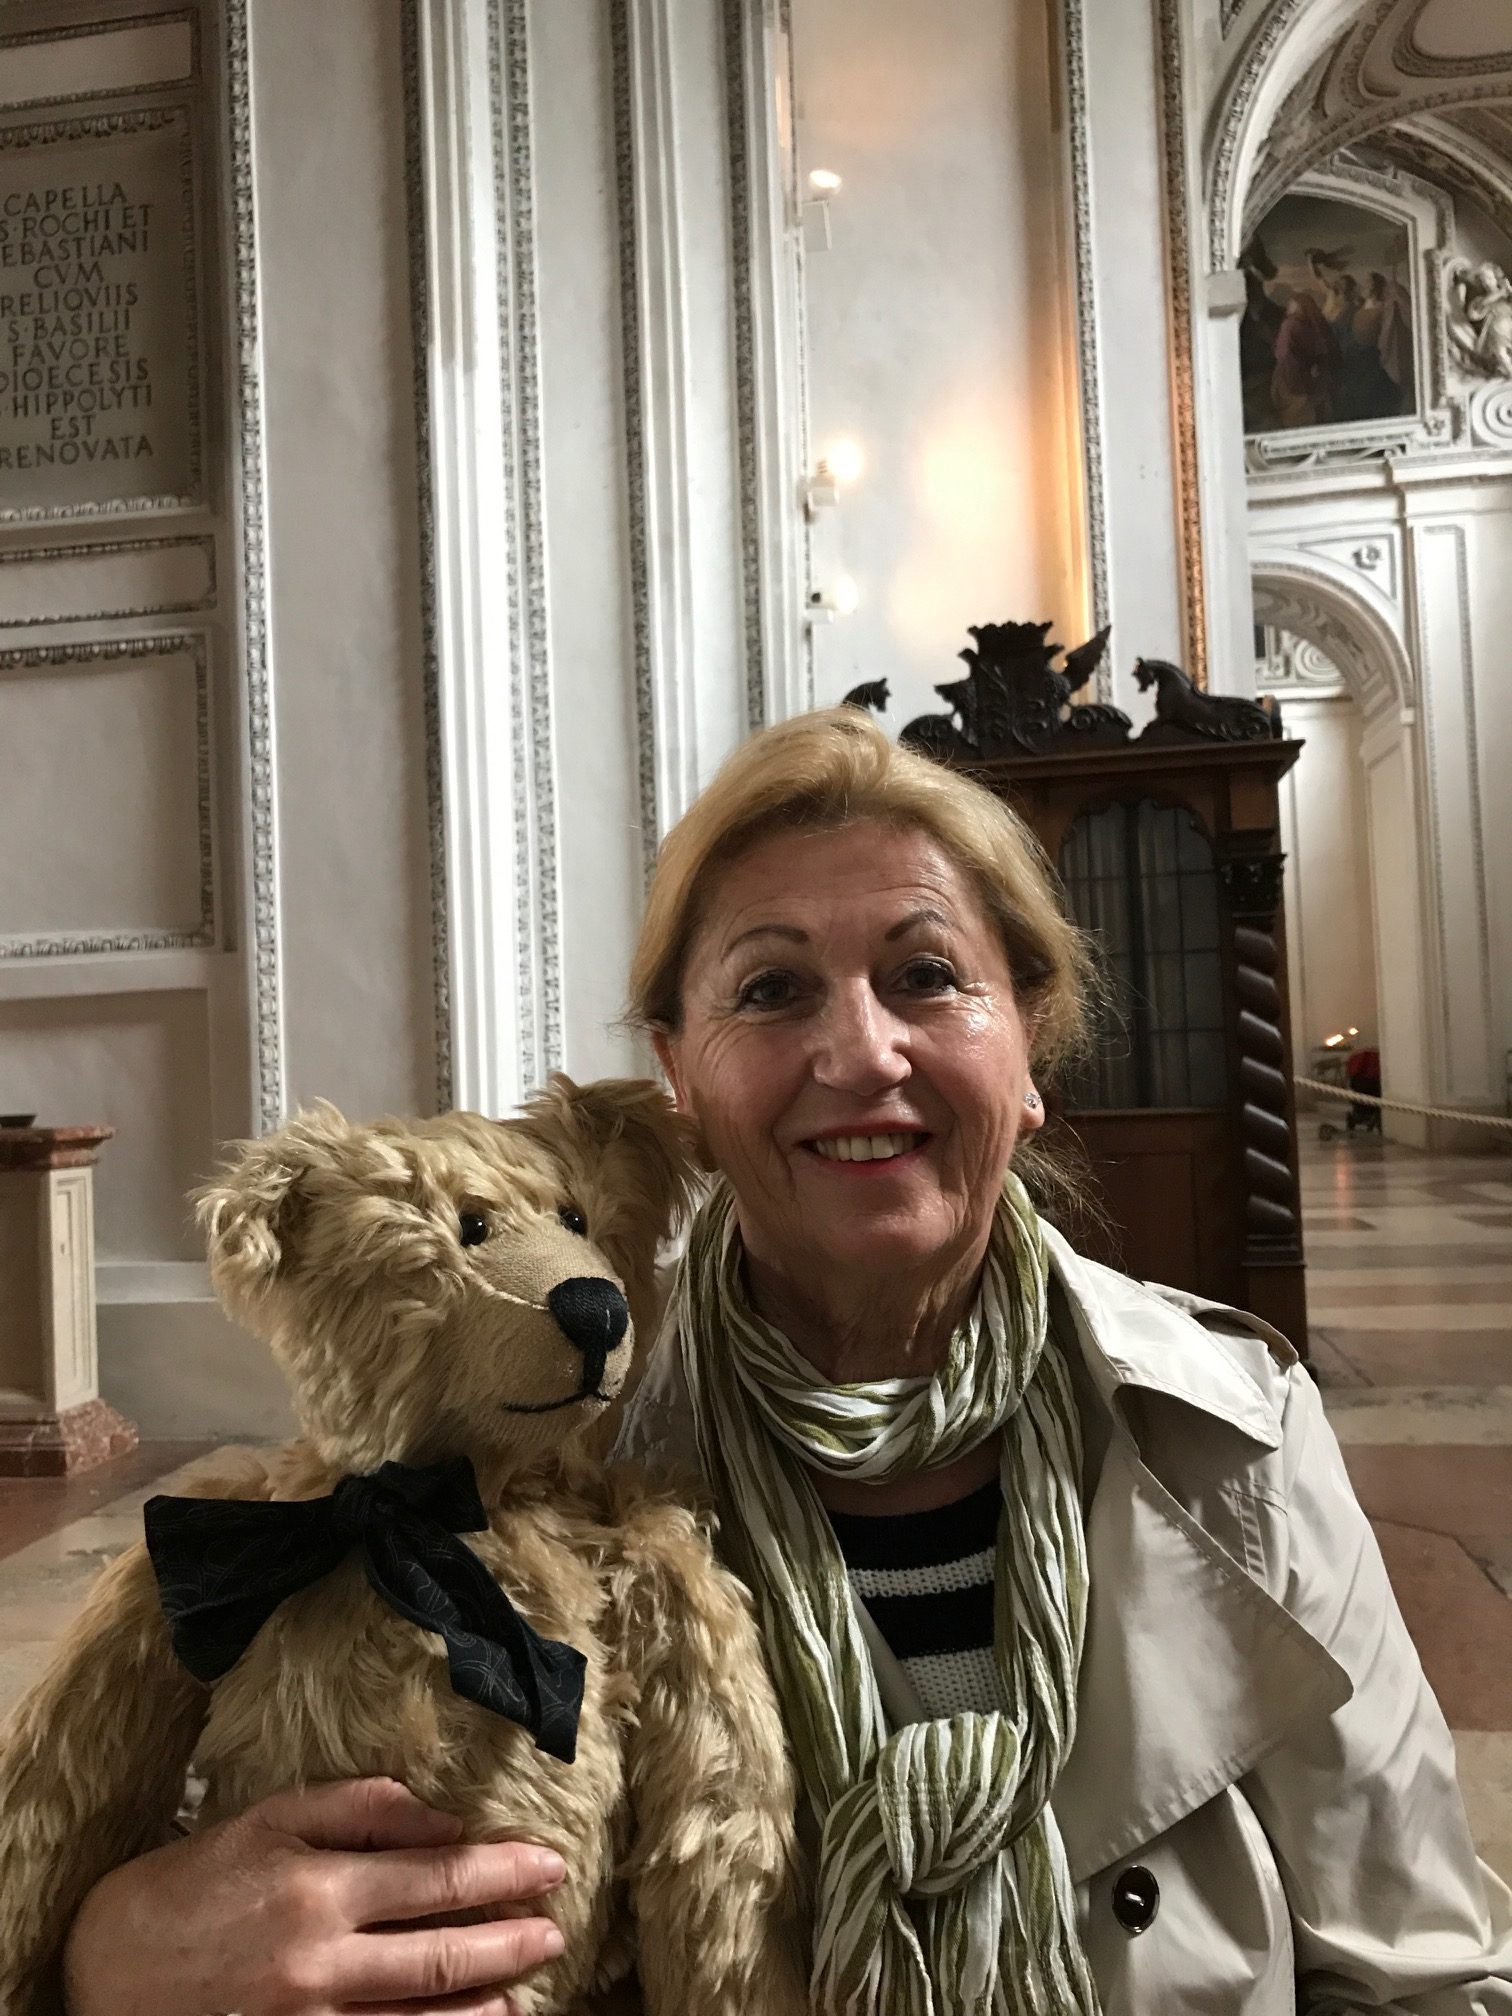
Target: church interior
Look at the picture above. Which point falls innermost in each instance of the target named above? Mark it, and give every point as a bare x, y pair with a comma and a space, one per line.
434, 433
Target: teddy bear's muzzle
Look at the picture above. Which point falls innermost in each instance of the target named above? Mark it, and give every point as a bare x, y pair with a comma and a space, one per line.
593, 1315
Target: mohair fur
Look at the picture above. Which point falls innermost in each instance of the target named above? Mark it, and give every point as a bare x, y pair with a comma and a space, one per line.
339, 1245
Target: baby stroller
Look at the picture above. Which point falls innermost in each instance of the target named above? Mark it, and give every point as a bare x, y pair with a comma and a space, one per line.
1361, 1073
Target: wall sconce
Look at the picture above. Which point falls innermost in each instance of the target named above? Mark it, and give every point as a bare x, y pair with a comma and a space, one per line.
843, 464
841, 598
823, 184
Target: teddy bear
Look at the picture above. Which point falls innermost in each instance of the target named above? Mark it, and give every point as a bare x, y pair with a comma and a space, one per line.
439, 1294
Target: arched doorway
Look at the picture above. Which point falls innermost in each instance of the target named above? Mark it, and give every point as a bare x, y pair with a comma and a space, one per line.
1315, 600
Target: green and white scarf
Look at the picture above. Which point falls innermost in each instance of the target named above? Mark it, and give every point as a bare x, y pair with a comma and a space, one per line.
943, 1888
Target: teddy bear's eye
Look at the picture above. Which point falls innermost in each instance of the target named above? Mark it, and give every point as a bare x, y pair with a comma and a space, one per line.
574, 1220
472, 1228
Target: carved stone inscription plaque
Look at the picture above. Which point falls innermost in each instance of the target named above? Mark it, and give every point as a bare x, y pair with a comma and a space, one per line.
99, 381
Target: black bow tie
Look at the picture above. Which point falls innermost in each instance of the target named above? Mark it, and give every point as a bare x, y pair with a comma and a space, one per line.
224, 1565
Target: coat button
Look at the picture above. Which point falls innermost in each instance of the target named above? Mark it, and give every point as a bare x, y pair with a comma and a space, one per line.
1136, 1899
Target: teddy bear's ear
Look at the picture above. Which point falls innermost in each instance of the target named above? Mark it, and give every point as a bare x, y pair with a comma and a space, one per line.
249, 1211
626, 1141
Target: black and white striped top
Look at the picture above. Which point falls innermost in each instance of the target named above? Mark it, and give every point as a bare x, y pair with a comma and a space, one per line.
927, 1579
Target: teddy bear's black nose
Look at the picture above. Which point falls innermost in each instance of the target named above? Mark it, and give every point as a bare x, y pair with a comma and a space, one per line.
594, 1316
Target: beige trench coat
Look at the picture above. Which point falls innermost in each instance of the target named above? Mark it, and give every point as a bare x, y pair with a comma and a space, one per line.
1255, 1731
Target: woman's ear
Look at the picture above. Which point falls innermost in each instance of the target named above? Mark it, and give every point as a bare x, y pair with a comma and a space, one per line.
666, 1055
1033, 1116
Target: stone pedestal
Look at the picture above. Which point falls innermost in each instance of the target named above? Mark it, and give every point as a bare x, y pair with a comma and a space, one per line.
52, 1419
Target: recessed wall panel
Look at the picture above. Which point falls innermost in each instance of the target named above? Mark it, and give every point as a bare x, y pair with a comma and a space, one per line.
139, 1063
98, 583
105, 819
95, 60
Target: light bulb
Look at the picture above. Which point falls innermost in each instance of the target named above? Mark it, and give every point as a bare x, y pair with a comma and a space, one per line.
845, 595
846, 461
823, 181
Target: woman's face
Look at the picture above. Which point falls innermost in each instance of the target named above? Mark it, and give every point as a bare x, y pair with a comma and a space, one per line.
851, 1047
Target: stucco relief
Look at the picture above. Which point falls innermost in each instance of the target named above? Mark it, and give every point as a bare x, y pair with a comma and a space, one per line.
1478, 310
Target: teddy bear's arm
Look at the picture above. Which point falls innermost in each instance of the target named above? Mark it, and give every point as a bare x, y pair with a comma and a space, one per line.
92, 1768
713, 1869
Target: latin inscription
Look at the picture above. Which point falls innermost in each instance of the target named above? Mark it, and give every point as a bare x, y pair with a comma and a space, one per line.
96, 320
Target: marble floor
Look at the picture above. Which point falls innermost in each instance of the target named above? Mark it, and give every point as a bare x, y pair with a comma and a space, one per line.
1410, 1290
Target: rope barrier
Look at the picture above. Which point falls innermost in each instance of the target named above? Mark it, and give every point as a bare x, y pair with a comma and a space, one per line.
1348, 1098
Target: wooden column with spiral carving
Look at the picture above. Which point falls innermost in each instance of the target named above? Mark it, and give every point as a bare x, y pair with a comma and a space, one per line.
1251, 866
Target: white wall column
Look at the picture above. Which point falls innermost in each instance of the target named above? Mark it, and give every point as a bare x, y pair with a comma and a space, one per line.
1225, 487
1397, 897
1126, 221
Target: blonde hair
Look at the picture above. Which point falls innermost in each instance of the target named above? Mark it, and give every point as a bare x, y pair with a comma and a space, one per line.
826, 770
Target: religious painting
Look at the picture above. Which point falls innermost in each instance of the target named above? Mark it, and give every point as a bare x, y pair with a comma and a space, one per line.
1327, 336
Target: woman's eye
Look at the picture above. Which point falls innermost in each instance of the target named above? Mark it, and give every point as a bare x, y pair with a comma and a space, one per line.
767, 990
472, 1228
574, 1220
929, 976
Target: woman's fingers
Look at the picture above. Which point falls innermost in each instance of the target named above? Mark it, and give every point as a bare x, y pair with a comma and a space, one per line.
427, 1966
357, 1813
407, 1883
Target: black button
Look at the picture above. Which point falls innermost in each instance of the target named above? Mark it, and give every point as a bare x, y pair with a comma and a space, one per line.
1136, 1899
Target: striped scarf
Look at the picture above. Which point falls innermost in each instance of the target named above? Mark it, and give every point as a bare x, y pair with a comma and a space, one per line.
943, 1888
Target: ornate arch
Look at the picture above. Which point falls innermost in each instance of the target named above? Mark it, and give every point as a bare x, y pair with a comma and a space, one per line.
1315, 76
1287, 41
1322, 602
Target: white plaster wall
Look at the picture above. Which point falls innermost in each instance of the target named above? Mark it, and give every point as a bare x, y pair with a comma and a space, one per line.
1146, 559
936, 332
1330, 932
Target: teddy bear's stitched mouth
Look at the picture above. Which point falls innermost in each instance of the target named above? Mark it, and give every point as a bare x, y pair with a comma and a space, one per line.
555, 1406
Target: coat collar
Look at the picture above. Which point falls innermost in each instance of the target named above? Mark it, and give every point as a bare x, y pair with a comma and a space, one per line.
1191, 1671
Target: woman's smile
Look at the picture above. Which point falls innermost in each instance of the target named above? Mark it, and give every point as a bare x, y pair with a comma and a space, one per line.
871, 1151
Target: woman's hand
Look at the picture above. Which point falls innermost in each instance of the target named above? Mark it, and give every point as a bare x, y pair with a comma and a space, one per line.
266, 1915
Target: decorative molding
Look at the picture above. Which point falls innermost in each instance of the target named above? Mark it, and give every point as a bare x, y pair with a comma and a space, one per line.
1411, 60
1300, 668
81, 30
430, 678
1349, 131
770, 368
633, 341
738, 148
1376, 556
25, 554
264, 936
110, 126
1229, 127
1089, 360
537, 912
194, 937
1490, 413
1179, 231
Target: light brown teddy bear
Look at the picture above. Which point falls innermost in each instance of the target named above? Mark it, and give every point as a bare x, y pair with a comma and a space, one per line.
434, 1291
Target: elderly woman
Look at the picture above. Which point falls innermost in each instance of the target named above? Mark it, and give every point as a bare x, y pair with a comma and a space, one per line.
1097, 1691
